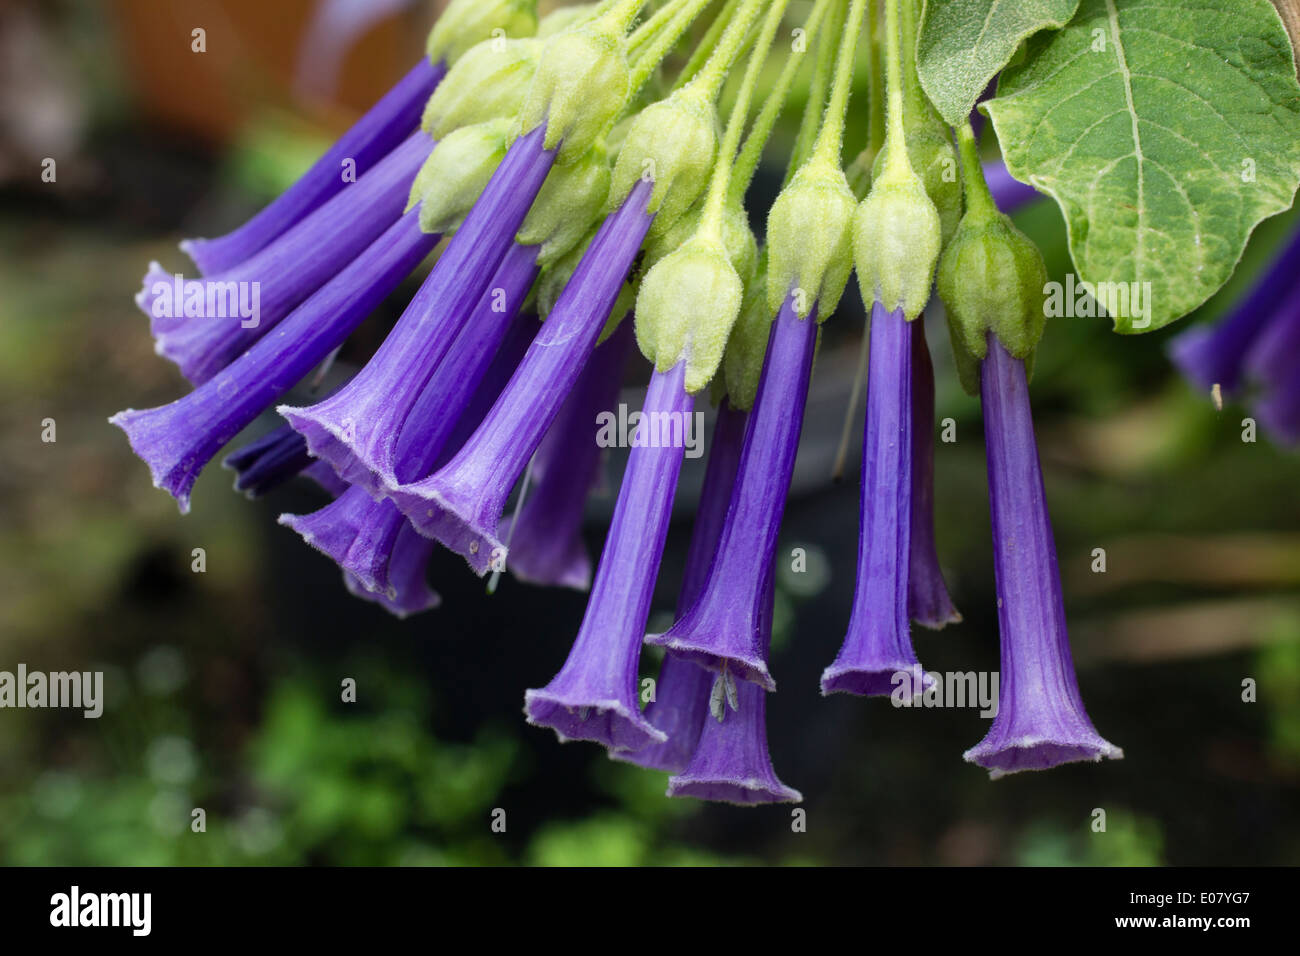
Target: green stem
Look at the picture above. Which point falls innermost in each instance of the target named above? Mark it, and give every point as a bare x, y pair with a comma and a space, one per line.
830, 141
915, 96
875, 82
714, 73
896, 160
619, 14
750, 154
707, 43
803, 143
711, 219
979, 201
648, 29
667, 36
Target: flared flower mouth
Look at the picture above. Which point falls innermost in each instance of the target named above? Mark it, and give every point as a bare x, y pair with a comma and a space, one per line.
1002, 758
611, 723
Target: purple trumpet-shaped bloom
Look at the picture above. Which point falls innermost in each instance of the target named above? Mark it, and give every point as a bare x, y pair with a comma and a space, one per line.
681, 700
177, 440
1008, 192
721, 630
731, 763
1217, 354
376, 134
928, 602
368, 538
408, 590
594, 696
460, 505
544, 534
1271, 367
204, 324
357, 428
879, 642
1040, 721
268, 462
357, 532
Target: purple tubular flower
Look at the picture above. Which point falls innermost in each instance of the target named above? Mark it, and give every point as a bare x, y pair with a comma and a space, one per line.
357, 428
928, 602
1008, 192
382, 128
731, 763
594, 696
408, 589
1040, 721
545, 533
879, 644
681, 700
451, 387
177, 440
367, 537
356, 531
268, 462
1272, 365
720, 630
1216, 355
240, 305
460, 505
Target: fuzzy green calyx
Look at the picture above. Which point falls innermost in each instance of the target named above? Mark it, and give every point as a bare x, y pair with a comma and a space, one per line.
896, 241
569, 202
687, 305
742, 364
671, 143
561, 18
488, 82
737, 238
991, 279
456, 173
581, 85
468, 22
809, 236
930, 150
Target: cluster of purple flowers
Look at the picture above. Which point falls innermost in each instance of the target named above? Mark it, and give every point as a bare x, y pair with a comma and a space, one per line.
470, 397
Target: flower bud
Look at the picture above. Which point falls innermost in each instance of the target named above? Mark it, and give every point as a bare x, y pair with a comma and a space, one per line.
456, 173
468, 22
562, 18
742, 365
488, 82
737, 238
671, 143
896, 242
686, 307
934, 158
991, 278
570, 201
809, 236
581, 84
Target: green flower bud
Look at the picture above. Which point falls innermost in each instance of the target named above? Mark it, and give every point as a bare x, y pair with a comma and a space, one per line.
809, 237
687, 304
742, 365
488, 82
737, 238
991, 278
935, 160
456, 172
581, 85
561, 18
468, 22
896, 242
570, 200
672, 143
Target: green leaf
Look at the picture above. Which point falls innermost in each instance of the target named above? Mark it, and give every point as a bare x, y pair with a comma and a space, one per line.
1166, 132
964, 43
